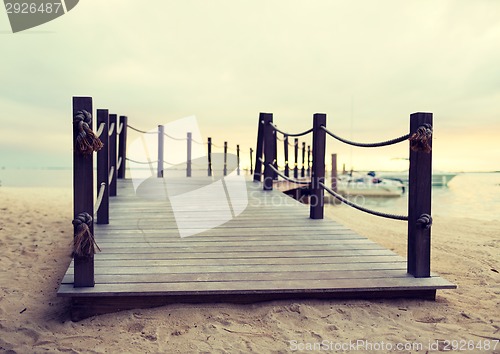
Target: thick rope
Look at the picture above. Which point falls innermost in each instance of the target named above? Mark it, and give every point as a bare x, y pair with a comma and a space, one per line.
140, 131
425, 221
100, 195
120, 127
356, 206
111, 129
144, 163
419, 141
100, 130
119, 162
290, 134
111, 174
149, 162
353, 143
84, 244
86, 140
287, 178
174, 138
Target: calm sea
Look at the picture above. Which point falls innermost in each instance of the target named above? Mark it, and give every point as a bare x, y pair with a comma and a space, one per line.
468, 195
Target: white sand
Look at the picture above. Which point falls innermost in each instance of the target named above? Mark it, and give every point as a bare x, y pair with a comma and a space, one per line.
35, 247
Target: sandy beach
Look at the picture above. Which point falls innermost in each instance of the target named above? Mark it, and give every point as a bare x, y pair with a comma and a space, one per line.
35, 248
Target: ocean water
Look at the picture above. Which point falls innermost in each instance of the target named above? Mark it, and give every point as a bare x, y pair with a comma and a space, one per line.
468, 195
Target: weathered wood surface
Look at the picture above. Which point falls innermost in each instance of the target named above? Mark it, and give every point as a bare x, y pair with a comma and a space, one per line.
271, 248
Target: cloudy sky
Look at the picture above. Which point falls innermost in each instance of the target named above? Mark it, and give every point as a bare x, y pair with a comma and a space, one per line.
366, 64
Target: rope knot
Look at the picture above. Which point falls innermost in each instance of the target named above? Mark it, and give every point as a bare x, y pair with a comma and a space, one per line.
419, 141
84, 242
86, 140
425, 221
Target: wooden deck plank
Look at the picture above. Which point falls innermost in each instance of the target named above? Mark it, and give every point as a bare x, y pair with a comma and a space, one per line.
266, 252
246, 287
238, 276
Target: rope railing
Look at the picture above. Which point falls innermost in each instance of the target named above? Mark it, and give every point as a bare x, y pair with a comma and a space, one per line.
174, 138
378, 144
100, 130
290, 134
119, 163
111, 129
285, 177
359, 207
119, 130
100, 195
111, 174
144, 162
140, 131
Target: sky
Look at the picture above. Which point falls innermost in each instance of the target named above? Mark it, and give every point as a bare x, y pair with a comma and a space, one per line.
367, 64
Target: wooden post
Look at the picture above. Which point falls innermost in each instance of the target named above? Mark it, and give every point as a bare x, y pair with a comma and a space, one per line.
83, 194
113, 126
238, 160
189, 145
225, 158
251, 163
303, 170
285, 148
259, 149
296, 163
275, 163
103, 167
334, 172
318, 170
308, 160
161, 151
209, 154
269, 153
419, 203
122, 148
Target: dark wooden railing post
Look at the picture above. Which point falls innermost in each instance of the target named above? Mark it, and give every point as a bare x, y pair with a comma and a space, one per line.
334, 172
225, 158
269, 153
103, 167
419, 203
259, 149
161, 151
308, 160
122, 148
238, 160
83, 194
285, 148
318, 170
296, 162
303, 170
189, 145
209, 154
113, 127
275, 163
251, 162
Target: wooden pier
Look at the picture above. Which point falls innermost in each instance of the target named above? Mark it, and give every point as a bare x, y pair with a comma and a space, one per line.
226, 238
272, 250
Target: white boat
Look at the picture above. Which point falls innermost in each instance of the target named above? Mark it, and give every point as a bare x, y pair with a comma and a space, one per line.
368, 185
439, 179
